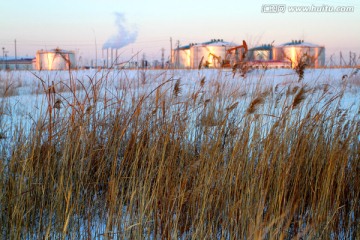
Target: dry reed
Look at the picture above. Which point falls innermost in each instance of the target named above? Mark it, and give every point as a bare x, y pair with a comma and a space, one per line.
157, 168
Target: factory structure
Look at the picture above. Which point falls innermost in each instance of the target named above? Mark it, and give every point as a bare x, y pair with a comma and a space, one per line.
217, 53
18, 63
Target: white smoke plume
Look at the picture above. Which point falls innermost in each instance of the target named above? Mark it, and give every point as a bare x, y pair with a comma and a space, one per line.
123, 36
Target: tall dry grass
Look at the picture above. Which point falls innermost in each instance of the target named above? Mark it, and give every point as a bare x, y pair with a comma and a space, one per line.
167, 165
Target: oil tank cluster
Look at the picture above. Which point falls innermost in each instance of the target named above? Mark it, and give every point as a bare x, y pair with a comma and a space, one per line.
210, 54
55, 59
290, 54
218, 53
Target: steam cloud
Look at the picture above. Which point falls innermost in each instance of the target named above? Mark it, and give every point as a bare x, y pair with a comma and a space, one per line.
123, 36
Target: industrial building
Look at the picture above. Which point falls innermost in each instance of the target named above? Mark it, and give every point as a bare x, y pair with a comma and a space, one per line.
298, 50
215, 53
19, 63
212, 54
262, 57
218, 53
55, 59
287, 55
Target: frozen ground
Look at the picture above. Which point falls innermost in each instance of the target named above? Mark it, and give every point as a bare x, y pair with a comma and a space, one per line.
25, 101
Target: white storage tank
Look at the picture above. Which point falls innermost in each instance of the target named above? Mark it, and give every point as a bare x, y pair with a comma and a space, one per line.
294, 51
212, 53
55, 59
181, 56
261, 53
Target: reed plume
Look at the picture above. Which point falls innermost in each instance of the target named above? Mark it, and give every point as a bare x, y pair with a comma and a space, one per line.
254, 104
299, 97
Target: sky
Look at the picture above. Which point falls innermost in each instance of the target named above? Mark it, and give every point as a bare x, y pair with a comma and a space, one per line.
142, 27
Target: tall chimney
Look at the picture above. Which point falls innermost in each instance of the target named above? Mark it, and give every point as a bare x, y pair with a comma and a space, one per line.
107, 58
116, 57
112, 60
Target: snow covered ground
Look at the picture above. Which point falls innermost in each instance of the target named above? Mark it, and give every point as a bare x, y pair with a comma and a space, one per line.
23, 99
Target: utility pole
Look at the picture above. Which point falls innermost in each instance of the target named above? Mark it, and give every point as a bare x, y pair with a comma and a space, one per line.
178, 54
162, 57
143, 61
171, 52
107, 58
350, 59
6, 63
354, 59
341, 58
331, 61
96, 57
15, 56
3, 58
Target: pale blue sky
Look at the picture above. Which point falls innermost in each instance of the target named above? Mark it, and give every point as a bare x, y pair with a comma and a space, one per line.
74, 25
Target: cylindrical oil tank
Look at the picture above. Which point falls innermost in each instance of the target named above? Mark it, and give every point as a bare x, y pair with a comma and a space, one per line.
181, 57
56, 59
261, 53
209, 54
296, 51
